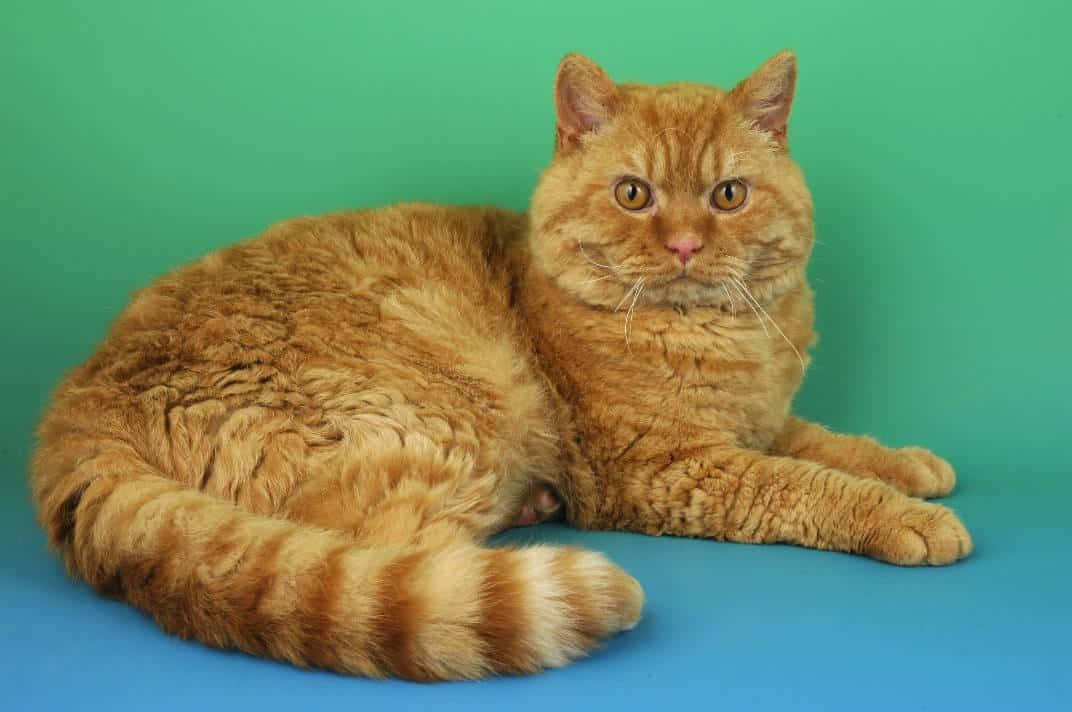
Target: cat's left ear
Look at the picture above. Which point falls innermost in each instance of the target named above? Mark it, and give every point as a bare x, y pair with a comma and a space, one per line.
766, 97
585, 99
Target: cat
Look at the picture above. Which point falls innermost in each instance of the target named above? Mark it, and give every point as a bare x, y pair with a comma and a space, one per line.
297, 445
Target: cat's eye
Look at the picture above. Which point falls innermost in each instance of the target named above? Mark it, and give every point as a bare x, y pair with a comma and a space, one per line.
632, 194
729, 195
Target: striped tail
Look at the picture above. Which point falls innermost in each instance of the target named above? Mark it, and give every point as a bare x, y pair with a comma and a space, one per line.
206, 569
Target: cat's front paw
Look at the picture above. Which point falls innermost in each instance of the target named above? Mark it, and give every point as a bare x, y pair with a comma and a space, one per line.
931, 475
909, 532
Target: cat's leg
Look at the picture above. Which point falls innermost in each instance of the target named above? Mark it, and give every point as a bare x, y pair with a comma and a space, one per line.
746, 496
912, 470
389, 491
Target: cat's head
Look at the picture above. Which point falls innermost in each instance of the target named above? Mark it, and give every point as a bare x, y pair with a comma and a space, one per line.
677, 194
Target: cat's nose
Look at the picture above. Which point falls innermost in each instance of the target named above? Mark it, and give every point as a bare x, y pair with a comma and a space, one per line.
684, 247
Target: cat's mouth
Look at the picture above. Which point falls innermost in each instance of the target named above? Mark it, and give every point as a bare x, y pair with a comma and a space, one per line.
685, 289
695, 281
723, 286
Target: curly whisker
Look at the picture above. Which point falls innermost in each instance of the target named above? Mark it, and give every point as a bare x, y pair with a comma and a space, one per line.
629, 293
597, 279
752, 307
733, 305
632, 306
590, 260
756, 305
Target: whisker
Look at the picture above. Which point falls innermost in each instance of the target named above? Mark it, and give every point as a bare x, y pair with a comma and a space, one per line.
632, 307
629, 293
597, 279
774, 324
585, 255
733, 305
752, 307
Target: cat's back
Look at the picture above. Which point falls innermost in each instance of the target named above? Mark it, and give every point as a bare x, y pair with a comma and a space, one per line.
413, 242
329, 275
351, 255
265, 321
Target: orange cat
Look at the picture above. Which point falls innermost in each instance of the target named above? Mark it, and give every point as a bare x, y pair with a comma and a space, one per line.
296, 446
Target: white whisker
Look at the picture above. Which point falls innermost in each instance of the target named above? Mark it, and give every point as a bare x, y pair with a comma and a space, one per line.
629, 293
632, 306
597, 279
752, 307
800, 358
733, 305
585, 255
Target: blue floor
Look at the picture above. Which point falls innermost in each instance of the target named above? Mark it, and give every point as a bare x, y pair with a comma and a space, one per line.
727, 626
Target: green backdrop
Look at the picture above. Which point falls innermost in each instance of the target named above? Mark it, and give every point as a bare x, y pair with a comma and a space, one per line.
135, 136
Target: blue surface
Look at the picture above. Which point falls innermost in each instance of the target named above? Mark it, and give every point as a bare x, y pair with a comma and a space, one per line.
727, 626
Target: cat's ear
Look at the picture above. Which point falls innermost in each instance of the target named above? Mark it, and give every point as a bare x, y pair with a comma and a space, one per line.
585, 99
766, 97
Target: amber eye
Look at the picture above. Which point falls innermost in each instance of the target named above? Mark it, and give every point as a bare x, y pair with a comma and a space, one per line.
729, 194
632, 194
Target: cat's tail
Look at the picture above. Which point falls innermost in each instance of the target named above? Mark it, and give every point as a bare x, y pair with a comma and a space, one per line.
206, 569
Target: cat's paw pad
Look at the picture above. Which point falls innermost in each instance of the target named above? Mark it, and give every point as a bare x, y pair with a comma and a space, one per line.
541, 505
937, 477
918, 533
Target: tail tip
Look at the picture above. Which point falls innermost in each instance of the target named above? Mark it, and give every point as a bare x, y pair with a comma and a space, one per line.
633, 603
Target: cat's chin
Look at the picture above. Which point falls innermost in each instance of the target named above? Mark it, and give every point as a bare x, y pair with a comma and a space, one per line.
681, 291
686, 291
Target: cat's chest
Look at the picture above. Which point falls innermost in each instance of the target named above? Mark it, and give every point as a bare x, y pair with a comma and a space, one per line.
681, 385
737, 381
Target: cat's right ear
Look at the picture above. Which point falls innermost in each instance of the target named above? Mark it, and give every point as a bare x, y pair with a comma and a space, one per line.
766, 97
585, 99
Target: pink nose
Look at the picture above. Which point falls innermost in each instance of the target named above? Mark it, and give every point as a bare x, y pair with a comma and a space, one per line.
684, 247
